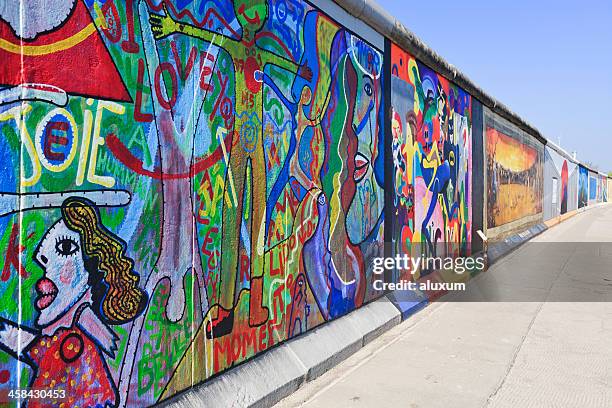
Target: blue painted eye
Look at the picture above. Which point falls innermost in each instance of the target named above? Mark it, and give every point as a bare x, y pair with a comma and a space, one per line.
66, 246
368, 89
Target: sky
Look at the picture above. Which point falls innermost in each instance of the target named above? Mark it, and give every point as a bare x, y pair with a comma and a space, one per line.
548, 61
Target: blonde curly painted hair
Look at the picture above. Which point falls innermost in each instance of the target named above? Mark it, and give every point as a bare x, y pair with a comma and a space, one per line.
116, 295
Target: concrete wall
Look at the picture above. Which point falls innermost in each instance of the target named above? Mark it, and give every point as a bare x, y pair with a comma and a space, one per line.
431, 130
478, 182
560, 183
186, 185
594, 188
583, 187
182, 201
514, 174
603, 188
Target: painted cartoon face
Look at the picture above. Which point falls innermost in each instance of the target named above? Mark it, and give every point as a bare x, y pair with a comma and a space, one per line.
65, 277
396, 127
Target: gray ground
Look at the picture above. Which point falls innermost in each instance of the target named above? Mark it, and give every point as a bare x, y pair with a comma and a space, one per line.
498, 354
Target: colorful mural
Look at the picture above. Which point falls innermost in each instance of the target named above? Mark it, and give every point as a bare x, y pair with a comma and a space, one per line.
583, 187
593, 187
203, 181
603, 186
186, 184
560, 184
514, 164
432, 160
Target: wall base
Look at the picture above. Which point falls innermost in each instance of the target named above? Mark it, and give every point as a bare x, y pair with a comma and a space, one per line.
499, 249
292, 363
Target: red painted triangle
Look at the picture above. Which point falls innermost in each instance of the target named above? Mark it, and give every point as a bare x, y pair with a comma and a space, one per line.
80, 65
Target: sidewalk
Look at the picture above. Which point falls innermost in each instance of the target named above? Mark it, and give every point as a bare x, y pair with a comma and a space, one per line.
497, 354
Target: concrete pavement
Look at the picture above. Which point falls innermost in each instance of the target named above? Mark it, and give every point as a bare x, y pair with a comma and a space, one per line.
472, 352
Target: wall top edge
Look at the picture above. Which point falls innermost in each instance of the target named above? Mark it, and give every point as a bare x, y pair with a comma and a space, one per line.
591, 170
562, 151
373, 14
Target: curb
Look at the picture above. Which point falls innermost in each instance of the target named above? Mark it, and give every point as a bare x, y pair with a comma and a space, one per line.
500, 249
408, 302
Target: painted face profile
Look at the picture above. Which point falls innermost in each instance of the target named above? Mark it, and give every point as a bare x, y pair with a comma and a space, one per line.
364, 210
65, 278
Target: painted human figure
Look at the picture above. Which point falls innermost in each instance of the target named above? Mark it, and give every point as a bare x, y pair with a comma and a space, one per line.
435, 167
356, 210
88, 285
291, 168
338, 286
249, 63
348, 215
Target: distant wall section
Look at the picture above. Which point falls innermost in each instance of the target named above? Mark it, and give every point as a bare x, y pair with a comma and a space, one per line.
515, 176
560, 183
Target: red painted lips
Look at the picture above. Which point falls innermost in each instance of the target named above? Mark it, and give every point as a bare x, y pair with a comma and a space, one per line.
47, 291
361, 166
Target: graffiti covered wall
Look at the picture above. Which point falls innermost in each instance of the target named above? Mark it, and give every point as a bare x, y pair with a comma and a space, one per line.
594, 187
184, 185
583, 187
603, 188
560, 184
432, 161
514, 165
